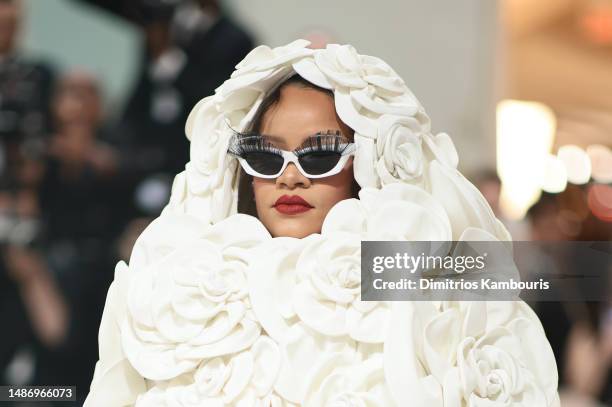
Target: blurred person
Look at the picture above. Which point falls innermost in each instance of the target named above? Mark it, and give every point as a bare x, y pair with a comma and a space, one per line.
211, 39
542, 218
81, 219
25, 88
30, 301
588, 352
77, 111
74, 196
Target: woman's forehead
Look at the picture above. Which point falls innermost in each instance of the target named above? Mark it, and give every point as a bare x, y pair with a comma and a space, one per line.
301, 112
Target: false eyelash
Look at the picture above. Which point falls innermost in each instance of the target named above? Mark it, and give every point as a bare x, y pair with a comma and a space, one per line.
328, 141
243, 143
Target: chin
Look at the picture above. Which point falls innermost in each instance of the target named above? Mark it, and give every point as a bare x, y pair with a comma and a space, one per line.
294, 229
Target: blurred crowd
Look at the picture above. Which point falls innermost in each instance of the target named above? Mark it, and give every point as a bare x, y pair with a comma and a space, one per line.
77, 187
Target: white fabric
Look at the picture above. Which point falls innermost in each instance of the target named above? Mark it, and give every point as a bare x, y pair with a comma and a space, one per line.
214, 311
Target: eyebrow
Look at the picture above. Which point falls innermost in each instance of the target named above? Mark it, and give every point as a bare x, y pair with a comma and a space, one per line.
271, 137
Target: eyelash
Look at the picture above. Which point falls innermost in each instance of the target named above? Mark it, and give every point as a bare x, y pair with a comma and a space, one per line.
327, 141
243, 143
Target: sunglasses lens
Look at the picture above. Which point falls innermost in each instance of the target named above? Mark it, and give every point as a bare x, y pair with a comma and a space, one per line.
318, 163
264, 163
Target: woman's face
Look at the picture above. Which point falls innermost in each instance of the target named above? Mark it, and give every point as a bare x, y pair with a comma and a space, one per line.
300, 112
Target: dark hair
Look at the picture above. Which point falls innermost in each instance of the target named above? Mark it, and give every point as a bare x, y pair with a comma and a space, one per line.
246, 197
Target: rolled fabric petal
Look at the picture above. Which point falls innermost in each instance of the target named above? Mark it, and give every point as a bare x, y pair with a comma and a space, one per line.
308, 70
463, 202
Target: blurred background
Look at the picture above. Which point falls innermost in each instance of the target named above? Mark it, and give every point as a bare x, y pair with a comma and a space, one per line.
94, 95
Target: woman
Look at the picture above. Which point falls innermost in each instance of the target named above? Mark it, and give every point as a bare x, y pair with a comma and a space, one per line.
300, 116
222, 308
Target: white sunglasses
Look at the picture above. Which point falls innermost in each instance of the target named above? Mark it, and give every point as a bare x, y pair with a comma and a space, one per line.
322, 155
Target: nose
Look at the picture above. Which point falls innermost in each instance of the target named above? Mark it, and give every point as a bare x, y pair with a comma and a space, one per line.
292, 178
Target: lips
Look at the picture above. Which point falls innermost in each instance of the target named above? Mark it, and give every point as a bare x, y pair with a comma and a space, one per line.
291, 205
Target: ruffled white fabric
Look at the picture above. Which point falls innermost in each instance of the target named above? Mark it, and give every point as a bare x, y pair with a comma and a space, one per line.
214, 311
469, 353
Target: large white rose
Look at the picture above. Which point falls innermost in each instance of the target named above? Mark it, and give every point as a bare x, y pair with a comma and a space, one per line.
244, 379
469, 353
193, 303
272, 286
363, 84
344, 382
399, 150
328, 290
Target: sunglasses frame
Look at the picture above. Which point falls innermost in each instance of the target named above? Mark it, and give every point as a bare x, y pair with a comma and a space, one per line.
291, 157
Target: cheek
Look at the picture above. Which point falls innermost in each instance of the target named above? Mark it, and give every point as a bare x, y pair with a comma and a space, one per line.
335, 188
262, 191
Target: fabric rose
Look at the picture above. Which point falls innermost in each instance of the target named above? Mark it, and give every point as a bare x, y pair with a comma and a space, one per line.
192, 303
469, 353
257, 73
366, 83
343, 382
239, 96
328, 289
399, 150
272, 288
209, 174
243, 379
263, 57
208, 146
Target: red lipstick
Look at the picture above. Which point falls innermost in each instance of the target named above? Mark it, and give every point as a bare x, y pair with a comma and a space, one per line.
292, 205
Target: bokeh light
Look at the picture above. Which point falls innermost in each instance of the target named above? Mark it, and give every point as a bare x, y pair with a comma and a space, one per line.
525, 134
600, 201
554, 179
577, 164
601, 163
